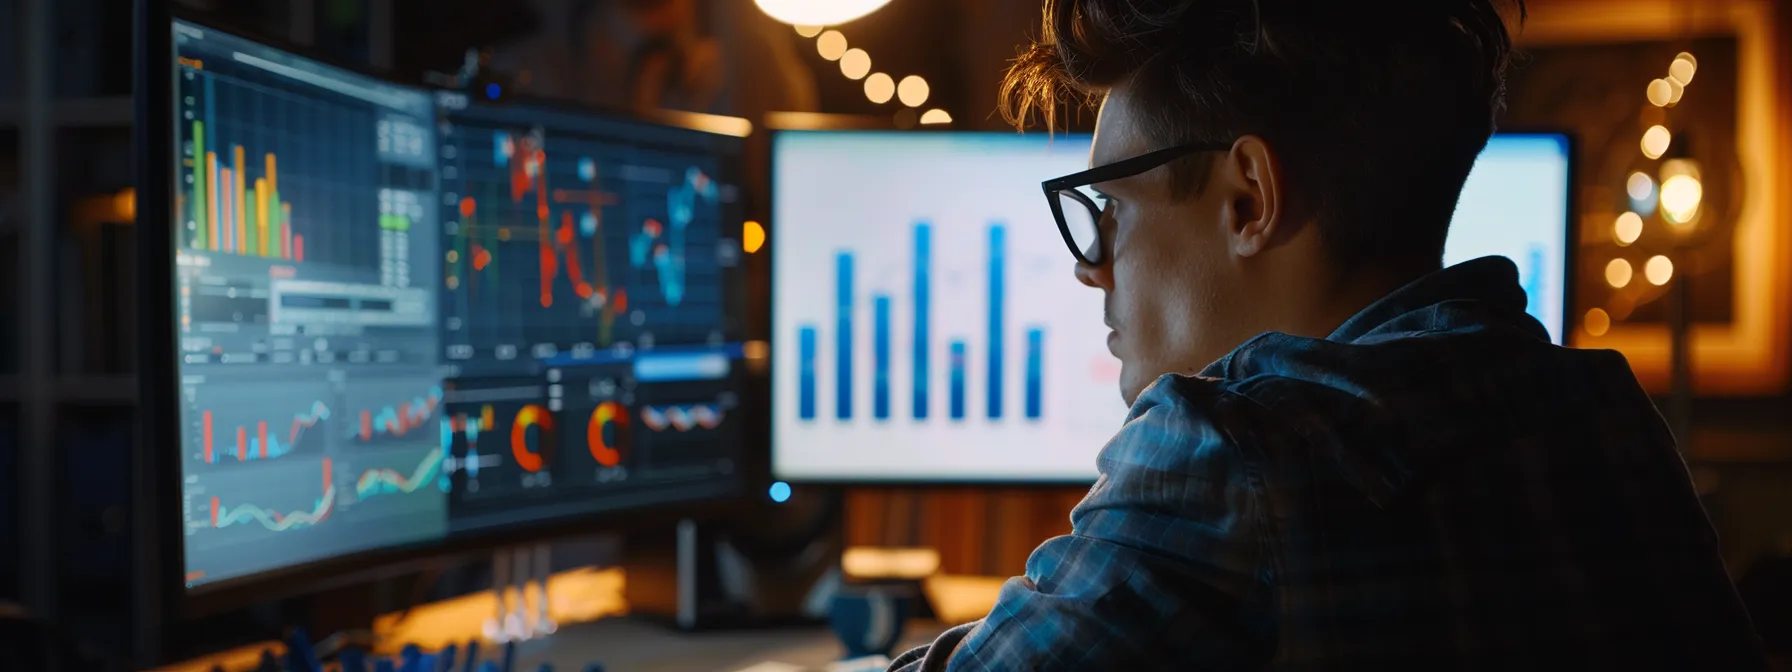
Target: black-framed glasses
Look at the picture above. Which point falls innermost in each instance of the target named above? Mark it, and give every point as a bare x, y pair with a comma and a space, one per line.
1079, 218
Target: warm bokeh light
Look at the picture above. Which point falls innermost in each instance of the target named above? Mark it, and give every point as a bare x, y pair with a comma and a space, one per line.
818, 12
809, 31
935, 116
1683, 68
1618, 273
752, 236
831, 45
855, 63
1597, 322
1660, 93
1628, 228
1659, 270
1675, 91
124, 205
879, 88
1680, 197
912, 91
1656, 141
1639, 186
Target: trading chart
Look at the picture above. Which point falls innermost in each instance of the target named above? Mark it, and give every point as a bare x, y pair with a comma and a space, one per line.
305, 258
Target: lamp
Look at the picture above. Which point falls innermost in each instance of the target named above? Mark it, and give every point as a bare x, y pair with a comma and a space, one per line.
818, 12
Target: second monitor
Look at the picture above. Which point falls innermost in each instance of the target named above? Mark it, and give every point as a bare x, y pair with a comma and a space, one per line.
927, 326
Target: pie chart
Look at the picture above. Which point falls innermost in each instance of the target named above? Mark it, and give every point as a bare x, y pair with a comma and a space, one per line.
528, 447
607, 415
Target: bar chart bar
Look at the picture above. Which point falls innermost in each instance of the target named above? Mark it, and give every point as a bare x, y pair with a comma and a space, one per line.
955, 391
213, 202
880, 357
843, 336
805, 405
206, 420
1035, 373
197, 207
922, 296
239, 202
998, 239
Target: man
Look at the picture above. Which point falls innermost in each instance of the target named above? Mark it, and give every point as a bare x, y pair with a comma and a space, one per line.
1339, 455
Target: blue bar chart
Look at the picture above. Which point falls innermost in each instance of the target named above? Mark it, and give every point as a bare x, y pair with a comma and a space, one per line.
958, 350
926, 323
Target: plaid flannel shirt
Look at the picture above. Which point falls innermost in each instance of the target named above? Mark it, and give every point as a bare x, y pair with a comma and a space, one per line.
1433, 486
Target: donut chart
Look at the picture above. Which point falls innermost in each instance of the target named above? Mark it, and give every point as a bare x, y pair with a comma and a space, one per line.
529, 457
607, 414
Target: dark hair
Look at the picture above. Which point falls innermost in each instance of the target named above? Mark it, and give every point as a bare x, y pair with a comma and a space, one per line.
1377, 108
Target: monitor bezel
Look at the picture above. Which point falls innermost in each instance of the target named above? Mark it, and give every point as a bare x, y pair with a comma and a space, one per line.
1569, 257
164, 597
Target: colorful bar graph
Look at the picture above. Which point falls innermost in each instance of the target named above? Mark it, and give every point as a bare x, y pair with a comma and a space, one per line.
922, 297
843, 336
955, 389
1035, 373
806, 373
880, 357
998, 242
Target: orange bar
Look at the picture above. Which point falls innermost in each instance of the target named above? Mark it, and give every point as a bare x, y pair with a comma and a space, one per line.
242, 444
214, 512
366, 426
285, 237
272, 175
211, 200
242, 209
298, 248
262, 429
326, 475
261, 219
207, 421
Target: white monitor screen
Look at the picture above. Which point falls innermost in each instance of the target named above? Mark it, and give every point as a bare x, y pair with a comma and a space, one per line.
926, 325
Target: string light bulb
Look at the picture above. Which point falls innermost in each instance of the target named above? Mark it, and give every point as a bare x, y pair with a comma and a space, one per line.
1656, 141
818, 12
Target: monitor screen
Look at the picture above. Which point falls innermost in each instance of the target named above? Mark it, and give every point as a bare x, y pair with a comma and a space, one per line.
927, 327
395, 329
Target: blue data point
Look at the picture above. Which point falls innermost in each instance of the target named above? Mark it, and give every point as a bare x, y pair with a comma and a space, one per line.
384, 665
300, 657
489, 666
472, 656
445, 659
353, 661
509, 657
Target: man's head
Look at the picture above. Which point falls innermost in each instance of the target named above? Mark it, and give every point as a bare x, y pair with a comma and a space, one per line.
1348, 128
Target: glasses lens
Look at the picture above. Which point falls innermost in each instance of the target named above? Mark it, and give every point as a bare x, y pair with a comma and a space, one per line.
1083, 225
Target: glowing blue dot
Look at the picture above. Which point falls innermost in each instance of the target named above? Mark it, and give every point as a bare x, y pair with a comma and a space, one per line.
492, 90
587, 169
780, 492
588, 225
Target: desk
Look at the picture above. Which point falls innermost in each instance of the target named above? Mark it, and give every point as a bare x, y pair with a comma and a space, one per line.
628, 644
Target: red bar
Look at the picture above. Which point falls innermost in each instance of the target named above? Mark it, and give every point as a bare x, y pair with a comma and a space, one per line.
207, 421
214, 512
242, 444
298, 248
366, 426
326, 475
262, 429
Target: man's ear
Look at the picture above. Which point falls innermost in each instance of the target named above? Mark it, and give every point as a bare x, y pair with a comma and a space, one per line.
1253, 208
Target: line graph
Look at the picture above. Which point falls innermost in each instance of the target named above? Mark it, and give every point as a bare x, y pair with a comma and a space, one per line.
274, 521
375, 482
662, 246
387, 420
682, 417
261, 444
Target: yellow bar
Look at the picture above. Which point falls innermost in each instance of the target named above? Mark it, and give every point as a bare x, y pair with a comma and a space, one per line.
242, 210
272, 176
261, 215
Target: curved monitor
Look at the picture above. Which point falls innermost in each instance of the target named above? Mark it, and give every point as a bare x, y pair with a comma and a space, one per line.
403, 318
927, 327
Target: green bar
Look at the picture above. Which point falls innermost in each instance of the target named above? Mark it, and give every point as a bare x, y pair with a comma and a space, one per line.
196, 206
395, 223
277, 226
250, 219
